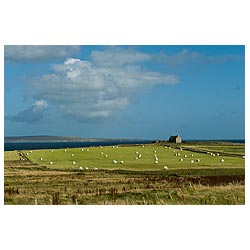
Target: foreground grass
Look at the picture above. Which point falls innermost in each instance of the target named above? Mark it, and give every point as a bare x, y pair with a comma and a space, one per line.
112, 187
136, 182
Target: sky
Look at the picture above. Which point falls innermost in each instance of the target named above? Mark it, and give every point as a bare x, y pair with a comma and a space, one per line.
140, 92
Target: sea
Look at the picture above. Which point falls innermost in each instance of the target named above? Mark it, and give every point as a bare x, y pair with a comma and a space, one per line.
53, 145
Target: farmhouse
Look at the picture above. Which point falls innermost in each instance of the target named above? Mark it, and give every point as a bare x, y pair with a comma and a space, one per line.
174, 139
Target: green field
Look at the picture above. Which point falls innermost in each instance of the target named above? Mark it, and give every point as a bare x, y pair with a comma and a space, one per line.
95, 157
88, 176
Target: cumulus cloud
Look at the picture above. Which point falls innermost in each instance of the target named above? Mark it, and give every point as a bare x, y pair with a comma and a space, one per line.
95, 89
187, 56
38, 52
34, 113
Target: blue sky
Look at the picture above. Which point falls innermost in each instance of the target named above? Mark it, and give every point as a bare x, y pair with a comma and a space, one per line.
144, 92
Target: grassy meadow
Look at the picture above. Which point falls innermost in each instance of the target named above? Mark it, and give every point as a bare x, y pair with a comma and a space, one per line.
142, 174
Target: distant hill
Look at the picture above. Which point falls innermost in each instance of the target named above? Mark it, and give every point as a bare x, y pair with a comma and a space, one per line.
48, 138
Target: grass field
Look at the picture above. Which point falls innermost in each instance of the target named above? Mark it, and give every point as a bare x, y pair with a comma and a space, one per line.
88, 176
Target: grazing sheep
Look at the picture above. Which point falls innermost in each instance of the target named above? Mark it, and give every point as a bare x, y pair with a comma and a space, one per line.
136, 158
80, 168
72, 154
52, 151
113, 146
27, 153
222, 160
106, 155
65, 150
213, 154
114, 161
165, 147
100, 146
192, 161
73, 162
51, 162
197, 160
165, 167
137, 152
178, 154
181, 159
156, 158
154, 151
218, 154
191, 155
30, 151
156, 162
121, 162
41, 159
101, 153
174, 151
82, 149
185, 156
142, 146
116, 146
243, 156
87, 149
86, 168
139, 155
95, 168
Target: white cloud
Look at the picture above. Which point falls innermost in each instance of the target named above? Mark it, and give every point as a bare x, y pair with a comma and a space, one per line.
92, 90
38, 52
34, 113
187, 56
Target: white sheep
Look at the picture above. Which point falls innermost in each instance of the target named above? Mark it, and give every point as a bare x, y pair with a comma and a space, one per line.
191, 155
27, 153
243, 156
95, 168
137, 152
65, 150
121, 162
73, 162
178, 154
192, 161
82, 149
181, 159
197, 160
72, 154
41, 159
114, 161
52, 151
185, 156
136, 158
113, 146
86, 168
156, 158
30, 151
218, 154
165, 167
154, 151
139, 155
106, 155
100, 146
87, 149
101, 153
222, 160
116, 146
156, 162
80, 168
51, 162
142, 146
